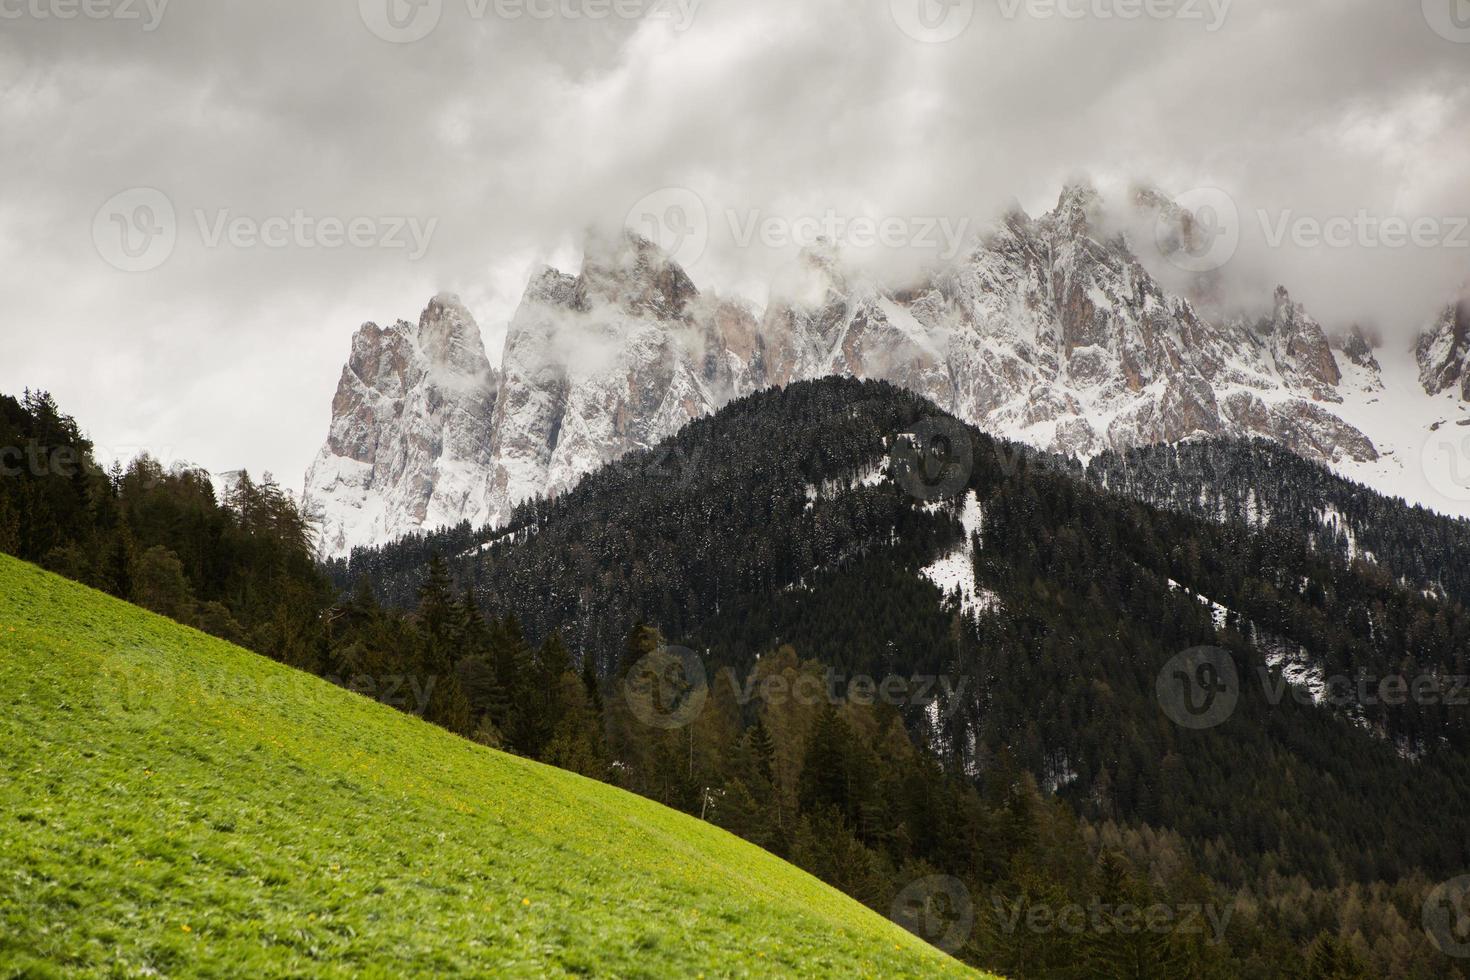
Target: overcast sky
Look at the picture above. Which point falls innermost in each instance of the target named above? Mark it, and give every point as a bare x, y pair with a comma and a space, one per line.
508, 128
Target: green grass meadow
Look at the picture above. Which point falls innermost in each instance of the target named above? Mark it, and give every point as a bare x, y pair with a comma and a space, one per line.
173, 805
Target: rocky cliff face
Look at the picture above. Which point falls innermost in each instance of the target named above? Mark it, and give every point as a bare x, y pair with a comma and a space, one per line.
410, 440
1444, 352
426, 433
612, 360
1049, 330
1053, 332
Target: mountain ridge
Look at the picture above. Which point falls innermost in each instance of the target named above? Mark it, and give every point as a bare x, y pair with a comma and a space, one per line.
1049, 331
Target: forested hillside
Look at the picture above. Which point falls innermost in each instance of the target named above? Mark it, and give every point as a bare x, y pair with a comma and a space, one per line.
239, 568
1260, 485
787, 520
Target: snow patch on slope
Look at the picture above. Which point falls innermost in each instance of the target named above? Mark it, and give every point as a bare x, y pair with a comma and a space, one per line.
873, 475
1399, 416
954, 573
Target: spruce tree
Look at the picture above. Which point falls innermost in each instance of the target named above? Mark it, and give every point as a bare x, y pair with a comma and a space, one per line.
824, 772
117, 572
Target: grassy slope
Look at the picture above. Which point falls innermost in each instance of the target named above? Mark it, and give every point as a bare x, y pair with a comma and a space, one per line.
169, 802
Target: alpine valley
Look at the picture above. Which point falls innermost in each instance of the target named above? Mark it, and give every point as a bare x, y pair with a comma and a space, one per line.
1057, 332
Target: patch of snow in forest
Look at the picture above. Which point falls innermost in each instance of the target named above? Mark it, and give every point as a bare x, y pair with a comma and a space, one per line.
1217, 611
954, 573
1295, 664
1333, 519
873, 475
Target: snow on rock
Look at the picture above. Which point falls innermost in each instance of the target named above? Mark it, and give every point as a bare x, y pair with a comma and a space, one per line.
410, 437
1334, 520
1218, 613
611, 361
1443, 352
1059, 775
1293, 660
1052, 331
873, 475
225, 484
1296, 666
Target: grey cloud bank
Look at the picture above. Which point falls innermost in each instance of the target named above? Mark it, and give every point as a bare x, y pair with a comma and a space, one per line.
515, 133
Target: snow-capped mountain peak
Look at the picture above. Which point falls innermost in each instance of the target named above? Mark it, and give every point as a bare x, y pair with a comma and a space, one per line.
1049, 330
409, 441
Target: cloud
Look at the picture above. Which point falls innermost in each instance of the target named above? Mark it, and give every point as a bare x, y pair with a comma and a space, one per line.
517, 134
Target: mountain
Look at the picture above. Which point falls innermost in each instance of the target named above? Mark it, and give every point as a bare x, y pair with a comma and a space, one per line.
426, 433
410, 442
1046, 612
606, 362
241, 817
1051, 331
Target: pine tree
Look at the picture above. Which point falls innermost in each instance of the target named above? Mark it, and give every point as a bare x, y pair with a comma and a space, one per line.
439, 618
159, 584
117, 573
641, 641
762, 749
577, 743
9, 527
824, 773
487, 696
514, 666
449, 708
747, 805
1332, 959
546, 701
590, 682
